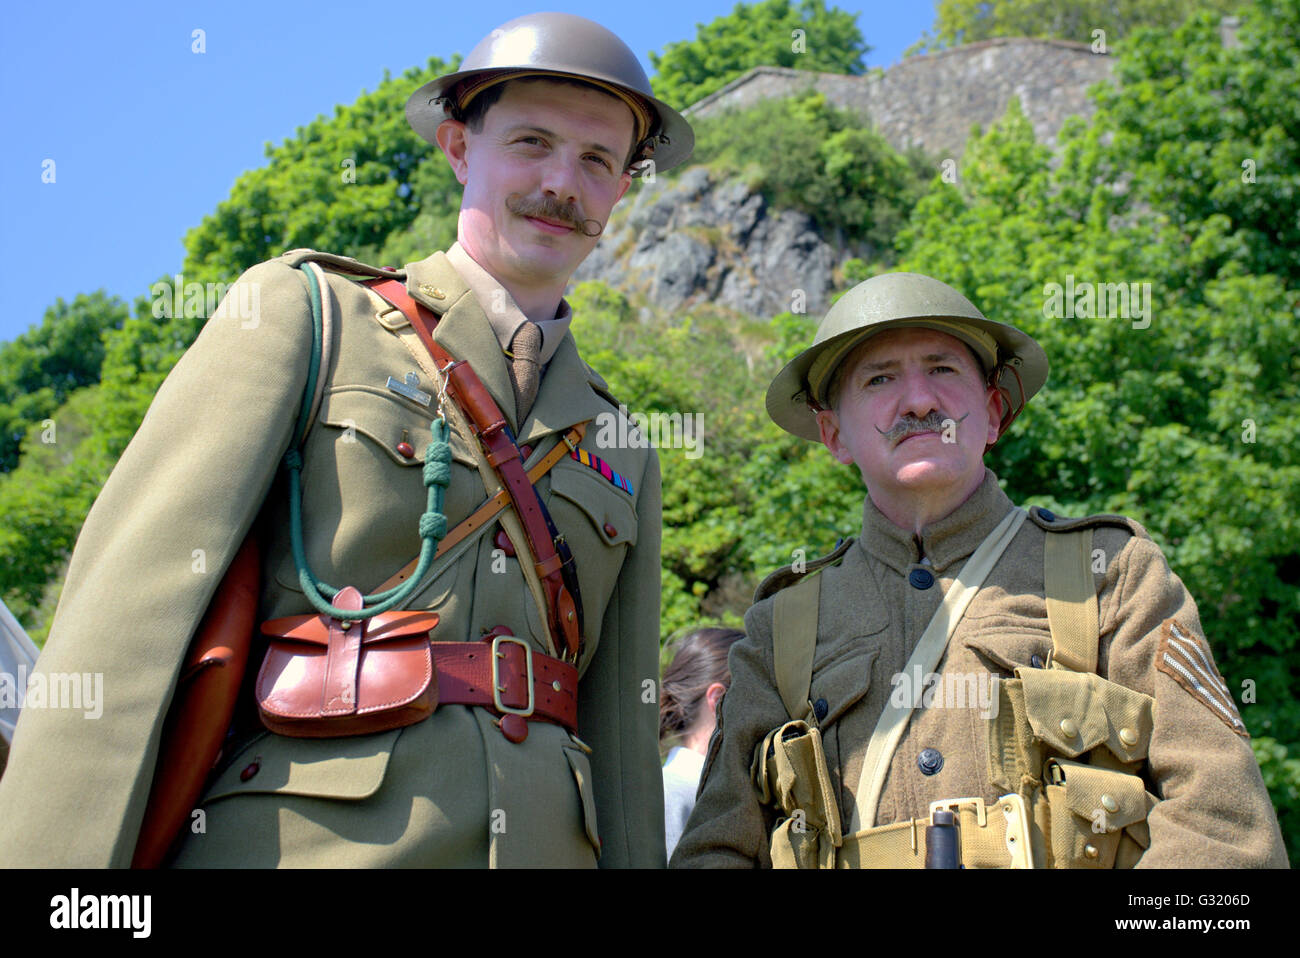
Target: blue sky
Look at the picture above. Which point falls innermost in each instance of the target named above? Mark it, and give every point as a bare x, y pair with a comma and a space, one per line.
147, 136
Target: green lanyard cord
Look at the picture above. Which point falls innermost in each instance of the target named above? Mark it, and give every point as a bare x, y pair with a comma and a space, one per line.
433, 522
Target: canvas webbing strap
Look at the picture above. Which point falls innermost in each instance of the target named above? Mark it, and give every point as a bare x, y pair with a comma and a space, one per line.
893, 720
485, 513
1071, 599
794, 640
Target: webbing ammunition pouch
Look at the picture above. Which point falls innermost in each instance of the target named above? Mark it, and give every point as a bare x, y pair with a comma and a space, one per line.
1072, 744
791, 773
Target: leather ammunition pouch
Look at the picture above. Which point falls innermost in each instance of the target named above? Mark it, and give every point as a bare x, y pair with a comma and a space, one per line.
322, 678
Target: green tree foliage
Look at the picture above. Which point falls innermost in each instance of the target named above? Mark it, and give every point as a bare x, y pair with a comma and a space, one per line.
43, 366
1181, 416
353, 183
805, 154
966, 21
805, 36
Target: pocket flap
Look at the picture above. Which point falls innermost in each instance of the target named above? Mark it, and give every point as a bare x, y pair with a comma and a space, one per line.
1111, 800
1011, 650
1074, 712
350, 768
610, 509
843, 683
387, 419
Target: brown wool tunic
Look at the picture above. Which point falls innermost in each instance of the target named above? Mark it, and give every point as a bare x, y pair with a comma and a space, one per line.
1214, 809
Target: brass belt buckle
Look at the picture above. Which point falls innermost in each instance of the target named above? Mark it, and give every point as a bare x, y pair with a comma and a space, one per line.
981, 814
498, 688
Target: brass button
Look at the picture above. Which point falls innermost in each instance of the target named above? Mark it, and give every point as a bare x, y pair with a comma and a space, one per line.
1109, 804
1089, 851
1068, 728
1128, 737
436, 292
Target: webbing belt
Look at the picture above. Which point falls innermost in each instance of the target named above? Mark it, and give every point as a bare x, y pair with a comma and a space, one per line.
983, 833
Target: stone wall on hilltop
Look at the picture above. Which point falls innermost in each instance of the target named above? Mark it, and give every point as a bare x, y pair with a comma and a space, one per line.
931, 101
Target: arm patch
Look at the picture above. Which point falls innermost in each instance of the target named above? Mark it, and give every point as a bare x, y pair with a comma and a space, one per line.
1185, 657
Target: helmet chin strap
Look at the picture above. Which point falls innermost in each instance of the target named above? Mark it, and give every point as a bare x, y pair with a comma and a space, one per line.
995, 379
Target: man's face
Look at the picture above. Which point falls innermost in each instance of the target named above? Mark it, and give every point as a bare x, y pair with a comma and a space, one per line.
914, 413
549, 157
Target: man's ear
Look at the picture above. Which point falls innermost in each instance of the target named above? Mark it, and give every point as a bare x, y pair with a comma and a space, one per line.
624, 182
997, 407
828, 424
453, 139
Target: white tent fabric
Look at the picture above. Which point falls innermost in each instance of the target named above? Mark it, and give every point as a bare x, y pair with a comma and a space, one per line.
17, 652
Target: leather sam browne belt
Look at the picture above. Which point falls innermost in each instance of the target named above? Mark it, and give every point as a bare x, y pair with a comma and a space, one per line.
506, 677
489, 424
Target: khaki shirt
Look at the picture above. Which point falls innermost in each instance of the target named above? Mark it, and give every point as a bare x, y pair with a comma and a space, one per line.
203, 470
1214, 808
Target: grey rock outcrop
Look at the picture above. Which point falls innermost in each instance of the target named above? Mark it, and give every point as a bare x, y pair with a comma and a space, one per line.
692, 240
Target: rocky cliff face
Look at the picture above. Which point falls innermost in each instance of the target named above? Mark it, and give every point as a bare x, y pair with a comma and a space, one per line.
696, 239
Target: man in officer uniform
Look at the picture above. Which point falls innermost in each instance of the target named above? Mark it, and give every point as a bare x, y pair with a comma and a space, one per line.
545, 125
978, 686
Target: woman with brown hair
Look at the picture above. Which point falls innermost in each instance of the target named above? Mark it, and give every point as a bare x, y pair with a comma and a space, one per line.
692, 687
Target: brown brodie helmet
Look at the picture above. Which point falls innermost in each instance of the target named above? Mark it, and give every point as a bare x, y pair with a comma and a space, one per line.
563, 45
1013, 361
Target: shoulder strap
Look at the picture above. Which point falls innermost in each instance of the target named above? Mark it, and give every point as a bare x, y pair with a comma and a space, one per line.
794, 641
927, 654
1071, 599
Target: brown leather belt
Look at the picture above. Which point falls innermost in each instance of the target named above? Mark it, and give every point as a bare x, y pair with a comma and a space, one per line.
489, 424
511, 680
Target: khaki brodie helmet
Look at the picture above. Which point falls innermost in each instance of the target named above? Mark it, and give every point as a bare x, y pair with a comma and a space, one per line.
563, 45
1012, 360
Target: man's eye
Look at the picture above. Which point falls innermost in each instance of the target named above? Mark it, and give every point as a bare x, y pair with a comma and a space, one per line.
877, 380
600, 160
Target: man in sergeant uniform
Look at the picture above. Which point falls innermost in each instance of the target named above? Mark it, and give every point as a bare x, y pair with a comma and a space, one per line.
545, 125
1108, 739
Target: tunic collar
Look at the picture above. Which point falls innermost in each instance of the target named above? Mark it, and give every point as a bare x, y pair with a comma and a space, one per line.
944, 542
503, 313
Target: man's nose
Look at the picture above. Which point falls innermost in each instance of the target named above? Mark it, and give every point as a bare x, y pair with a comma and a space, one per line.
919, 395
560, 178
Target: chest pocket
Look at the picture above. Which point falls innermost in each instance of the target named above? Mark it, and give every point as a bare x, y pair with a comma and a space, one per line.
361, 497
599, 522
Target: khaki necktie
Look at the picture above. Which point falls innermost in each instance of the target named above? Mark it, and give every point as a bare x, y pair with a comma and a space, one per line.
525, 371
